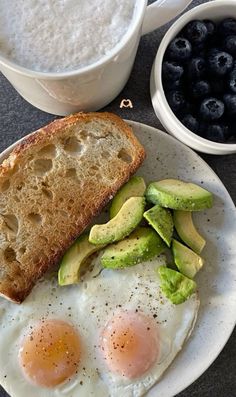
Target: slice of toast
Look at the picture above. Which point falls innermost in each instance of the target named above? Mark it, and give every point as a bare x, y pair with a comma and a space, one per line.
52, 185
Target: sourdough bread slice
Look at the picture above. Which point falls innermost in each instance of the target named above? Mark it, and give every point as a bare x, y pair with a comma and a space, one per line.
52, 185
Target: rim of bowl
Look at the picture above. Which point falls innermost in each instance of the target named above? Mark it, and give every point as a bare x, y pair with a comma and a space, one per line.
172, 32
14, 66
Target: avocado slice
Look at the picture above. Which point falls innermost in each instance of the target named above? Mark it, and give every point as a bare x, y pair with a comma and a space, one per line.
121, 225
187, 232
175, 286
179, 195
69, 271
161, 220
134, 188
187, 261
141, 245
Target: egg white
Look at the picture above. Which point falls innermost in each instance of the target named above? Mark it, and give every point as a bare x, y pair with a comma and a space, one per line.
88, 306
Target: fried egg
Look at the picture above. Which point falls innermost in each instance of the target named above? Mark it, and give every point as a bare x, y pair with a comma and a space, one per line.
114, 334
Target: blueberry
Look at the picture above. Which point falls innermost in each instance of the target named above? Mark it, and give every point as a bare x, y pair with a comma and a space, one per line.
227, 27
179, 49
213, 50
200, 89
196, 68
176, 100
220, 62
230, 104
190, 122
196, 32
211, 27
232, 81
211, 109
172, 71
229, 45
217, 133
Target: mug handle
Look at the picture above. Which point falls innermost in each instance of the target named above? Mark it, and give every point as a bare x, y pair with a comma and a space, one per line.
161, 12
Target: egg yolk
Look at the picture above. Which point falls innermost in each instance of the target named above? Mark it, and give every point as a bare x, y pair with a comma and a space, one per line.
130, 344
50, 353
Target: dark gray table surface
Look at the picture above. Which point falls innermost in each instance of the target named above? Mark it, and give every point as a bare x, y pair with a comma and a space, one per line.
17, 118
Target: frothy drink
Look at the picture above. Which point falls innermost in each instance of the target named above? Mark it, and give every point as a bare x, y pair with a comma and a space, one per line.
61, 35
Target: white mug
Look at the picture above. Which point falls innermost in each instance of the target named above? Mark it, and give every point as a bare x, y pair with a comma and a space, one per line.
92, 87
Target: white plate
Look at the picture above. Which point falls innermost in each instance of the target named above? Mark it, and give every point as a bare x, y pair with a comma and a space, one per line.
168, 158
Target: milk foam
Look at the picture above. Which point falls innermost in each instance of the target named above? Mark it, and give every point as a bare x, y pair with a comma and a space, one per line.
62, 35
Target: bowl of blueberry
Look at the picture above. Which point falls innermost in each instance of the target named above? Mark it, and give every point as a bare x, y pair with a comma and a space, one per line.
193, 81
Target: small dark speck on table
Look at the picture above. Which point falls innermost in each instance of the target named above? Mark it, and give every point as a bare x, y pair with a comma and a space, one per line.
19, 118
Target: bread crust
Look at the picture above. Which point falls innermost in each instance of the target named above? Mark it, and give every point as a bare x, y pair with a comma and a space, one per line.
18, 276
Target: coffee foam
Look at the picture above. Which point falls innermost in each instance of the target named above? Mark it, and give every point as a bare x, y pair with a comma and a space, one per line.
62, 35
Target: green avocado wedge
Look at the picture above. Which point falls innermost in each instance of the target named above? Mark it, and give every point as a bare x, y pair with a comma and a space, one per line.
187, 232
69, 271
135, 187
175, 286
161, 220
187, 261
141, 245
121, 225
179, 195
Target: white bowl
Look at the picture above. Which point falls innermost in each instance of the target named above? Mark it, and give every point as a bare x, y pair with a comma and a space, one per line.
215, 10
